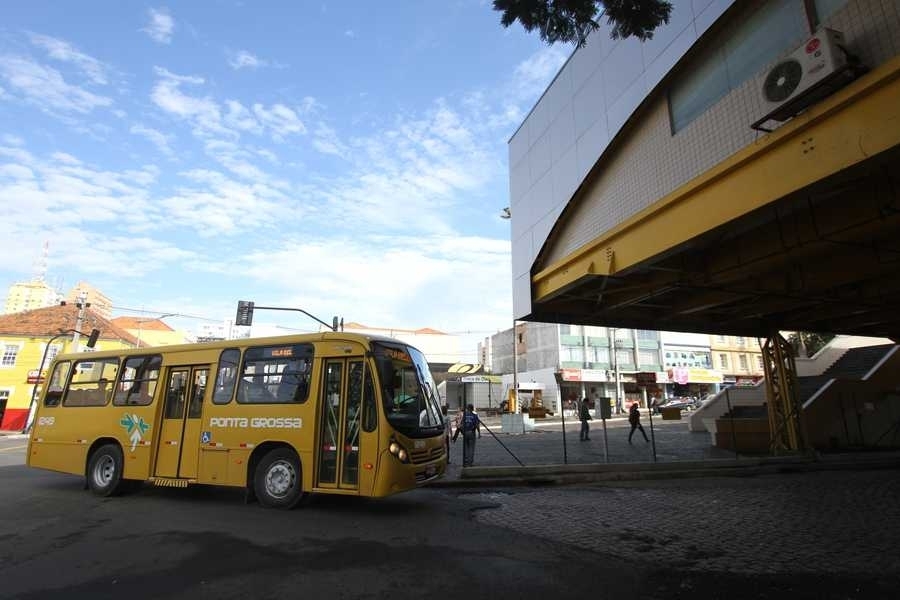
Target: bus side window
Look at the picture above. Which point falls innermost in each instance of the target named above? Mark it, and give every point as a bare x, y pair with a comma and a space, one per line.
226, 376
57, 383
370, 407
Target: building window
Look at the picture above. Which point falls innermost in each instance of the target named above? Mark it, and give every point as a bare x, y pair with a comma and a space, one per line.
740, 341
645, 334
742, 361
759, 362
573, 354
10, 353
723, 361
741, 54
624, 357
648, 357
598, 355
720, 339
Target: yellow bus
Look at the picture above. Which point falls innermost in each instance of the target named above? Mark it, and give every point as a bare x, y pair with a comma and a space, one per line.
281, 416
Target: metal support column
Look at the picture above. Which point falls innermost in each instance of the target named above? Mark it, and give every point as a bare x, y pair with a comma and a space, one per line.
782, 395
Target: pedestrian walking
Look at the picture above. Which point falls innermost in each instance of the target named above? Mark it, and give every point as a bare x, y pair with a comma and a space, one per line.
447, 428
634, 417
585, 415
470, 425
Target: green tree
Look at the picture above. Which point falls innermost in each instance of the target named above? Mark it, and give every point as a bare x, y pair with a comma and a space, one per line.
812, 342
572, 20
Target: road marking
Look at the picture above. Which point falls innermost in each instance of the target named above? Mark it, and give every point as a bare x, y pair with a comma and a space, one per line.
13, 448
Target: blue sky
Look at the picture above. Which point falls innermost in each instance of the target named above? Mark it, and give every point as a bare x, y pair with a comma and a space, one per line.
347, 158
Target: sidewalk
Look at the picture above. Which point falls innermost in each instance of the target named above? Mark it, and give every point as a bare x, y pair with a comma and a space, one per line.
548, 459
13, 435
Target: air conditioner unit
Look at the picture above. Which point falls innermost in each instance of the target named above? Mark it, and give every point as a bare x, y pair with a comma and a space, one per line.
804, 76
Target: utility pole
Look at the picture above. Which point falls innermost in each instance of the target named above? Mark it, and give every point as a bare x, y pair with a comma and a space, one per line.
82, 305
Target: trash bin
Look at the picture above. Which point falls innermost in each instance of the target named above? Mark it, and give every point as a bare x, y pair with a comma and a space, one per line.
671, 414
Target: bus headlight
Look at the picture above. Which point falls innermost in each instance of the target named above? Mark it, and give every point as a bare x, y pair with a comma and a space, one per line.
399, 451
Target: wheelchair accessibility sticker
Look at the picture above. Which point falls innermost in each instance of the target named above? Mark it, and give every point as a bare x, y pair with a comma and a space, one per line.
205, 437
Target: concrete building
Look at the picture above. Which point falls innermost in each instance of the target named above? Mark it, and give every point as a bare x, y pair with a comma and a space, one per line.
100, 302
688, 365
739, 359
650, 184
568, 361
29, 295
150, 331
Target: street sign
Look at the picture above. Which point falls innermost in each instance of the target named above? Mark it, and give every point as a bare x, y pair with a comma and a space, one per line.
35, 376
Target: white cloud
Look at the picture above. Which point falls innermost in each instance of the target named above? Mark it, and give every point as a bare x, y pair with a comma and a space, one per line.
534, 74
91, 214
350, 33
246, 60
156, 137
65, 52
161, 25
240, 117
12, 140
45, 87
280, 120
203, 113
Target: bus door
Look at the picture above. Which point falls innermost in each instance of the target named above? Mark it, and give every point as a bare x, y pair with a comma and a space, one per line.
347, 423
179, 440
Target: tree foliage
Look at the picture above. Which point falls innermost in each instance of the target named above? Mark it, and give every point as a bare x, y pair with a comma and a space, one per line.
573, 20
812, 342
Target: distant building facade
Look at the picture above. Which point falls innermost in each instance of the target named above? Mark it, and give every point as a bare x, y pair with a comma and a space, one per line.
24, 339
100, 302
29, 295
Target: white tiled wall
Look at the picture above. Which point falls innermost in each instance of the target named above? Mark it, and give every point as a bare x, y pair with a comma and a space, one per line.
608, 79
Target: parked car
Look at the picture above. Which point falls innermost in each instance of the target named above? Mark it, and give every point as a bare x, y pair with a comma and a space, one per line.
682, 403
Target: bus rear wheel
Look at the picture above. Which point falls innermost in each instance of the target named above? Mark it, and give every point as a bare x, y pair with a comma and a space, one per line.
104, 472
276, 481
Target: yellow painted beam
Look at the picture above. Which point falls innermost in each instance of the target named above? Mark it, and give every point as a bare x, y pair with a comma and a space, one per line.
850, 126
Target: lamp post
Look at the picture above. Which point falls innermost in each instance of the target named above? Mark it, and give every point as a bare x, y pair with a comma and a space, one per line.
141, 322
92, 340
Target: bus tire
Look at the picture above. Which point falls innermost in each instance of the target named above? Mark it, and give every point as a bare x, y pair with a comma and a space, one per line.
104, 472
277, 482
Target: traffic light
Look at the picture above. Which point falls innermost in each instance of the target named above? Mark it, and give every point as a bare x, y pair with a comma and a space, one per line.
244, 316
92, 339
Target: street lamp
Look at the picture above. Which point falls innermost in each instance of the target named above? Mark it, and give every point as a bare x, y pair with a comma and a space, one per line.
141, 322
92, 341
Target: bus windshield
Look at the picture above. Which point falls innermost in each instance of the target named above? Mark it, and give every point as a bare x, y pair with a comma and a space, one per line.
411, 400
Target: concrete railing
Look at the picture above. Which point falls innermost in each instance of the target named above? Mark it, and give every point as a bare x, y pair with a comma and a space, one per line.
717, 406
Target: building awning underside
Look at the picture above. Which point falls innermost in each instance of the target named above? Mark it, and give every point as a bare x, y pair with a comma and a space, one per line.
801, 234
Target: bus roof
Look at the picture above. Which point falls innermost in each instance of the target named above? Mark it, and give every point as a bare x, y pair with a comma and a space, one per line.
323, 336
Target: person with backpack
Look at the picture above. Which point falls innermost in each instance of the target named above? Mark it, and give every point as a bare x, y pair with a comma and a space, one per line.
584, 414
634, 417
470, 425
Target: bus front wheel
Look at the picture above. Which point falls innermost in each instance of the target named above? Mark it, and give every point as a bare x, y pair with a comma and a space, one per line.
277, 481
104, 473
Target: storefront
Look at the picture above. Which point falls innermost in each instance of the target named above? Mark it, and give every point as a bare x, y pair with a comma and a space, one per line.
692, 382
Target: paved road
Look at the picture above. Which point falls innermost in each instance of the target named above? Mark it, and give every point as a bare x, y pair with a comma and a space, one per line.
830, 534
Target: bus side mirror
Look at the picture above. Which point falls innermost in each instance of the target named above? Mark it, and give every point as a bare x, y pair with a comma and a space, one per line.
92, 340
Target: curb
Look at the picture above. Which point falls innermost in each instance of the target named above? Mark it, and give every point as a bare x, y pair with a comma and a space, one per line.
546, 475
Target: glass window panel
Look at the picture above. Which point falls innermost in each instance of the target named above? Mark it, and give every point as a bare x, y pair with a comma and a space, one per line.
226, 375
92, 382
57, 383
746, 49
139, 376
767, 34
